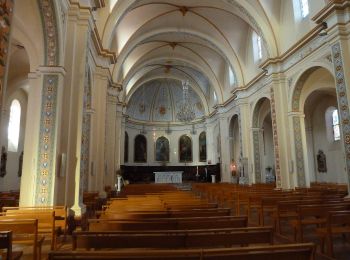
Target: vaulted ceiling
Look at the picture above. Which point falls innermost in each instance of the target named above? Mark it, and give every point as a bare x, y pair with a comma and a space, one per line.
207, 42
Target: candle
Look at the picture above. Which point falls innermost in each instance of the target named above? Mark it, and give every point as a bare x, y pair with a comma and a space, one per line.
197, 170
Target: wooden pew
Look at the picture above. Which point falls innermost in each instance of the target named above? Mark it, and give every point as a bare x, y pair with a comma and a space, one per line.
178, 239
313, 215
46, 221
166, 214
6, 243
338, 222
274, 252
166, 224
61, 214
25, 232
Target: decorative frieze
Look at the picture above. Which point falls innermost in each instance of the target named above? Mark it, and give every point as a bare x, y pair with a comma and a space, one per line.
257, 163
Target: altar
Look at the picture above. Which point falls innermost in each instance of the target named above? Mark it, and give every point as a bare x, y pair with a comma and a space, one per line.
168, 177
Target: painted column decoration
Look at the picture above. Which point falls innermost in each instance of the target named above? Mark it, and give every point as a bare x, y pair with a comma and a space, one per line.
85, 136
256, 144
275, 140
342, 102
299, 151
47, 135
257, 163
6, 12
46, 167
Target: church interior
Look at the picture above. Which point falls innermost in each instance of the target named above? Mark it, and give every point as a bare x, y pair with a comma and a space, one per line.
175, 129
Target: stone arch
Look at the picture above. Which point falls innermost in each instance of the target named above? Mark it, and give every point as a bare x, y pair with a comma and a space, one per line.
264, 103
298, 98
299, 83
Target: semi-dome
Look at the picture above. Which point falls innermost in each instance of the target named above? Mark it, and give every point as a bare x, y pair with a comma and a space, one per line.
158, 101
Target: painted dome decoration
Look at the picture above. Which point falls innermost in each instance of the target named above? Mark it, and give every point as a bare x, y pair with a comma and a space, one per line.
158, 100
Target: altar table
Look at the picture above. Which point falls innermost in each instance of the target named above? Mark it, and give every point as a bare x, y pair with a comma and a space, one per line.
168, 177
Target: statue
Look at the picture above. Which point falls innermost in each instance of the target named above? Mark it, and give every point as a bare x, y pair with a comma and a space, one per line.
3, 161
321, 161
20, 165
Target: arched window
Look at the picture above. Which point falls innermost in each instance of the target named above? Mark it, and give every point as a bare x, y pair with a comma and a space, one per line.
14, 126
215, 97
335, 125
304, 8
257, 47
231, 75
301, 9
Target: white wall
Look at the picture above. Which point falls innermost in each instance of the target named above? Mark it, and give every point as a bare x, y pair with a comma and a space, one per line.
316, 121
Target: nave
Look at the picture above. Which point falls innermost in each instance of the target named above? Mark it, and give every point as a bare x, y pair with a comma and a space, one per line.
210, 221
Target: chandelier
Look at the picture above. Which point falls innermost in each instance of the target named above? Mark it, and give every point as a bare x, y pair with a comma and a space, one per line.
186, 108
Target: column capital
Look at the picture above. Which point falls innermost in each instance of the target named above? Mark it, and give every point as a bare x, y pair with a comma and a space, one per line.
51, 70
296, 114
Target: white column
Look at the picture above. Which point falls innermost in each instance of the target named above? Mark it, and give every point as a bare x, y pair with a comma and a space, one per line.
75, 64
111, 129
99, 132
31, 136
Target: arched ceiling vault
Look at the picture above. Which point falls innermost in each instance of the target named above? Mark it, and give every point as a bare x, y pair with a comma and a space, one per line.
199, 40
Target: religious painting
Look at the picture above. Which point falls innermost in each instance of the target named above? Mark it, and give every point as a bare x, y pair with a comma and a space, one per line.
140, 149
202, 147
162, 149
185, 149
126, 147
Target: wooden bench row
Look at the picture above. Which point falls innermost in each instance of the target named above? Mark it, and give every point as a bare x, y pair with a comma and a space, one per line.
167, 224
272, 252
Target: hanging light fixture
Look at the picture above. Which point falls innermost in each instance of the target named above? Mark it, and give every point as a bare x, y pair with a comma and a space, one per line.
186, 108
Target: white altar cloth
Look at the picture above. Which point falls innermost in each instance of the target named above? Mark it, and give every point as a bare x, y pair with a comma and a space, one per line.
168, 177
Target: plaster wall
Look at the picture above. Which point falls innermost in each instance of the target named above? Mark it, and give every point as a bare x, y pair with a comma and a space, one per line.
320, 140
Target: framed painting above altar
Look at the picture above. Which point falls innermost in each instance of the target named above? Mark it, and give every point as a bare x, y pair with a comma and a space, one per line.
162, 149
185, 149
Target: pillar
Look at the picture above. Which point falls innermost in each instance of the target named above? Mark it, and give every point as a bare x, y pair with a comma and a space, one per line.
72, 120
